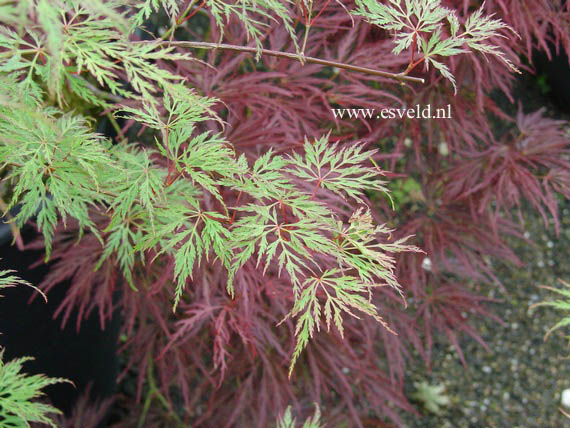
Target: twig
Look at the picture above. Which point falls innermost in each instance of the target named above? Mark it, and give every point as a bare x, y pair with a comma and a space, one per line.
182, 18
289, 55
17, 238
106, 95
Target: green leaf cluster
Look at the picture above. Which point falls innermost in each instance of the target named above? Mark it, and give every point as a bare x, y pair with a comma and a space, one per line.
420, 25
254, 15
432, 397
19, 394
7, 280
288, 421
75, 47
165, 198
562, 304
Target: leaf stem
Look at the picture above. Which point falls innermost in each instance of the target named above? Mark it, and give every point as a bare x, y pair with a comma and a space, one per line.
182, 18
106, 95
319, 14
414, 44
305, 38
154, 392
115, 125
235, 211
414, 64
315, 189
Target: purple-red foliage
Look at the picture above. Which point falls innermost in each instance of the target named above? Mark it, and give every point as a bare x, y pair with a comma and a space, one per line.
225, 360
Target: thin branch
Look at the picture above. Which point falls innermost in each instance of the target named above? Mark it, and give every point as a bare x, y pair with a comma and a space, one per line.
414, 64
289, 55
106, 95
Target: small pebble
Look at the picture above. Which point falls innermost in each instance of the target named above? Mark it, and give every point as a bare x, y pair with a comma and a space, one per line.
426, 264
565, 398
443, 149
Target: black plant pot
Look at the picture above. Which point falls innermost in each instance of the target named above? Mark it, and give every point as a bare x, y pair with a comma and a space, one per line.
554, 75
29, 329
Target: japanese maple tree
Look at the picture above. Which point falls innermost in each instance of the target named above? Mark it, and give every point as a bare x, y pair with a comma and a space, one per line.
231, 217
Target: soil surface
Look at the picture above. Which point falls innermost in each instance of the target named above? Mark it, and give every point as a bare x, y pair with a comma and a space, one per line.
520, 381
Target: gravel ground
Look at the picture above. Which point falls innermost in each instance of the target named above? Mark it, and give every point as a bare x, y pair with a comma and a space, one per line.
519, 382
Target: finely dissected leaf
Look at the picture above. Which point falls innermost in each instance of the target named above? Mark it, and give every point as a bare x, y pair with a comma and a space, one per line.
418, 25
56, 165
19, 393
7, 280
312, 232
49, 18
563, 305
147, 7
539, 142
341, 293
139, 183
288, 421
339, 170
253, 15
431, 396
91, 37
